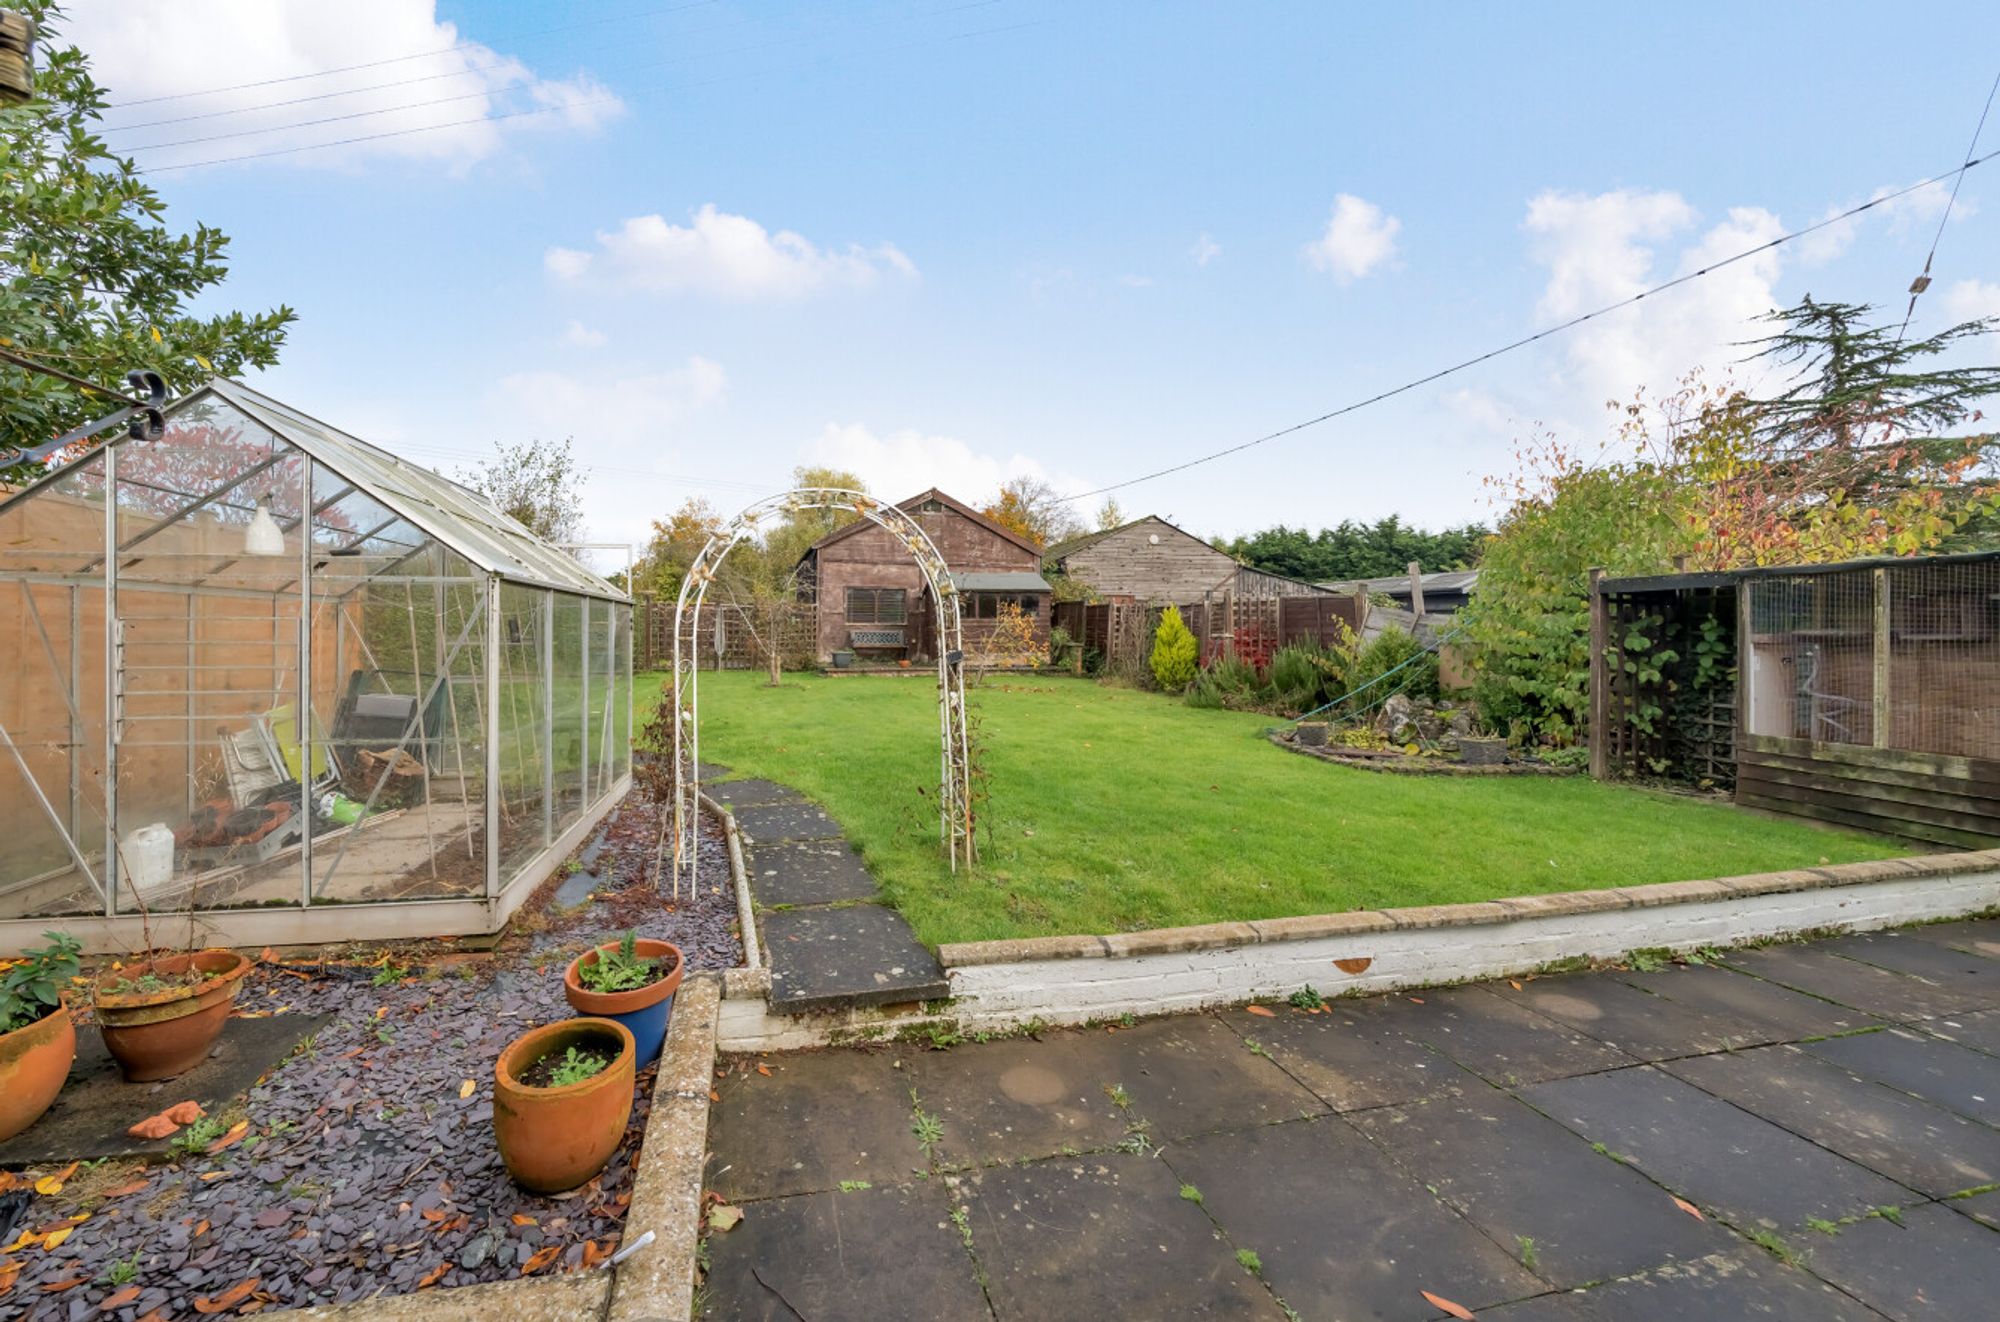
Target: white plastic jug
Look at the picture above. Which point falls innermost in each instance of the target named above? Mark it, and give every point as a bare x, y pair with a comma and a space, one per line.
147, 857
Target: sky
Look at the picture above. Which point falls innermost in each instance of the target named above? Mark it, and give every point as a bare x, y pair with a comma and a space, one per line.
943, 242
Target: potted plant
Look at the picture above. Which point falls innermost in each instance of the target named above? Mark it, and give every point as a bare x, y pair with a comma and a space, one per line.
161, 1015
632, 980
842, 658
562, 1095
1311, 734
37, 1036
1482, 748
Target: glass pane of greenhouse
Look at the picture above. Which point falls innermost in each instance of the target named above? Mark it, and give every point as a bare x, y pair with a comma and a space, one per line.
326, 678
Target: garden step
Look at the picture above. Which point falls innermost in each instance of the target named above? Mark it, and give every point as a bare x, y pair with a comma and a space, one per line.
851, 955
806, 872
796, 819
742, 793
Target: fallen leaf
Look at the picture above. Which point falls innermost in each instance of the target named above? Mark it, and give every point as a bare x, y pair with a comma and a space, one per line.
1689, 1208
723, 1218
764, 1070
1514, 984
435, 1214
50, 1185
1357, 965
7, 1180
22, 1241
381, 1010
209, 1177
433, 1276
542, 1258
1446, 1305
350, 1055
269, 956
714, 1096
1416, 1000
55, 1239
119, 1300
523, 1219
1261, 1010
8, 1273
126, 1189
57, 1287
228, 1299
235, 1134
466, 1089
200, 1230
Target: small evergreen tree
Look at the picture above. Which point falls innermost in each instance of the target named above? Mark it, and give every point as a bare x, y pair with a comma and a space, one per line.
1175, 654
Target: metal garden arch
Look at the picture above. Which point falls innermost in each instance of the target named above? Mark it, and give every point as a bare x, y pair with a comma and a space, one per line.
954, 747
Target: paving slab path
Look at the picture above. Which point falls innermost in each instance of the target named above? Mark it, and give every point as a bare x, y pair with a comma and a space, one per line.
1802, 1133
833, 941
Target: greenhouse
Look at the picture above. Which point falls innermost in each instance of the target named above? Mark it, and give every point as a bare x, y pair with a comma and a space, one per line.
273, 681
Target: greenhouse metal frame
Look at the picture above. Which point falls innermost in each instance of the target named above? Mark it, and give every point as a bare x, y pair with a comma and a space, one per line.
267, 683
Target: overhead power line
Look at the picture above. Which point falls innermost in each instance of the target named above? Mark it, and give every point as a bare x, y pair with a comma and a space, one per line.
1923, 281
401, 59
1527, 340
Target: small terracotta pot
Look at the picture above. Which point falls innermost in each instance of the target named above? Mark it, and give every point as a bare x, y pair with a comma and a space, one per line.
159, 1034
554, 1139
34, 1064
643, 1010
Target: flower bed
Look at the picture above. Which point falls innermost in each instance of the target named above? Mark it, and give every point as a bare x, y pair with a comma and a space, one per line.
368, 1164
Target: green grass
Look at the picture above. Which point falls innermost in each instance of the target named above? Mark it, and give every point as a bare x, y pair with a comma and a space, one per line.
1113, 810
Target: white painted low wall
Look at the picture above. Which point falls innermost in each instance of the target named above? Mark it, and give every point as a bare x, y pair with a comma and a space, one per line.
1001, 984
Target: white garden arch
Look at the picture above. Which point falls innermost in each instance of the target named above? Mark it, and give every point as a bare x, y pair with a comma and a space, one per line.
954, 746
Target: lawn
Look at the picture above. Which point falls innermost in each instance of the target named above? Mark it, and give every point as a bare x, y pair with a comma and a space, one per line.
1111, 810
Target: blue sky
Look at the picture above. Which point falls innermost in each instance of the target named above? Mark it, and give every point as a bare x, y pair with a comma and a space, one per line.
946, 243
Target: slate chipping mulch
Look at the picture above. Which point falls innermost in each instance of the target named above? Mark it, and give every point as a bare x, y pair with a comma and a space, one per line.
354, 1140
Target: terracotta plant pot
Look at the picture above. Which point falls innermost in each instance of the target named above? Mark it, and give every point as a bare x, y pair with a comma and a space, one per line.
159, 1034
645, 1011
554, 1139
34, 1064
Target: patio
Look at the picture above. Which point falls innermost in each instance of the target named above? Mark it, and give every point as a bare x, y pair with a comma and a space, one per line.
1800, 1131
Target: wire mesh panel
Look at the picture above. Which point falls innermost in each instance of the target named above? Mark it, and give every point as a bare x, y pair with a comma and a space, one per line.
1811, 657
1943, 666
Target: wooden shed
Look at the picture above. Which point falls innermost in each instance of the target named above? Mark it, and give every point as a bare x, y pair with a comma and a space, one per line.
871, 599
1148, 560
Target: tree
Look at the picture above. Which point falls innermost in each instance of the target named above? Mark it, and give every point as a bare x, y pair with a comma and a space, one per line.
1175, 653
92, 279
676, 541
1034, 509
785, 543
1109, 515
1357, 550
538, 485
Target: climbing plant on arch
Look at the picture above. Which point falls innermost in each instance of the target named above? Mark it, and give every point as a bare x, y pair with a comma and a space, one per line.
954, 744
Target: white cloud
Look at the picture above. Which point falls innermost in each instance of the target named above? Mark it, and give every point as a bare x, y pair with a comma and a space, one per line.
1205, 250
724, 256
1359, 237
1913, 212
1609, 246
1136, 281
576, 335
902, 463
143, 52
1969, 300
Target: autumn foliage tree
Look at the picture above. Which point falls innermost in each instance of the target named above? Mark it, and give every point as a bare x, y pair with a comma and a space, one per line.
1034, 509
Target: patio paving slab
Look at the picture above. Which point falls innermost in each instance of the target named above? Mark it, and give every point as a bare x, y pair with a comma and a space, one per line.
1956, 1077
872, 1255
1972, 975
1639, 1023
1716, 1156
1022, 1098
1395, 1240
1981, 1207
819, 1118
1518, 1174
1979, 1030
1981, 936
1192, 1075
743, 793
1787, 1014
1103, 1237
863, 954
806, 872
1925, 1147
96, 1106
1937, 1264
769, 823
1747, 1284
1497, 1039
1350, 1056
1890, 995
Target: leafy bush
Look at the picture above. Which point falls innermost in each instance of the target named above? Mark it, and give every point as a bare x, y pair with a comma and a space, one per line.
1392, 648
33, 988
1230, 682
1174, 652
621, 969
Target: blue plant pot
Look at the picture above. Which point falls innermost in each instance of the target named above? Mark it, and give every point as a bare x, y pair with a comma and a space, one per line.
645, 1012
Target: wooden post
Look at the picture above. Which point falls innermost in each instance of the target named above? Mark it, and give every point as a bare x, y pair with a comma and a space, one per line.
1600, 681
1416, 591
1881, 721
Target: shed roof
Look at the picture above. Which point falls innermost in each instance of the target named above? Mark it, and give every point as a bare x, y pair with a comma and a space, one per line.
1446, 580
1011, 580
1070, 546
957, 506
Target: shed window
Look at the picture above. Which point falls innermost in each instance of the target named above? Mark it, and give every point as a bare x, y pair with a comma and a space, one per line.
875, 606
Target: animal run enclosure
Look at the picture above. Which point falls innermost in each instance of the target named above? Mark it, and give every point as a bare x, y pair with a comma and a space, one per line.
1865, 694
270, 676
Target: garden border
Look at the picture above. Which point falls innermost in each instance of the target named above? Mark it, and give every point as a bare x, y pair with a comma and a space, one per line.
999, 985
739, 877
